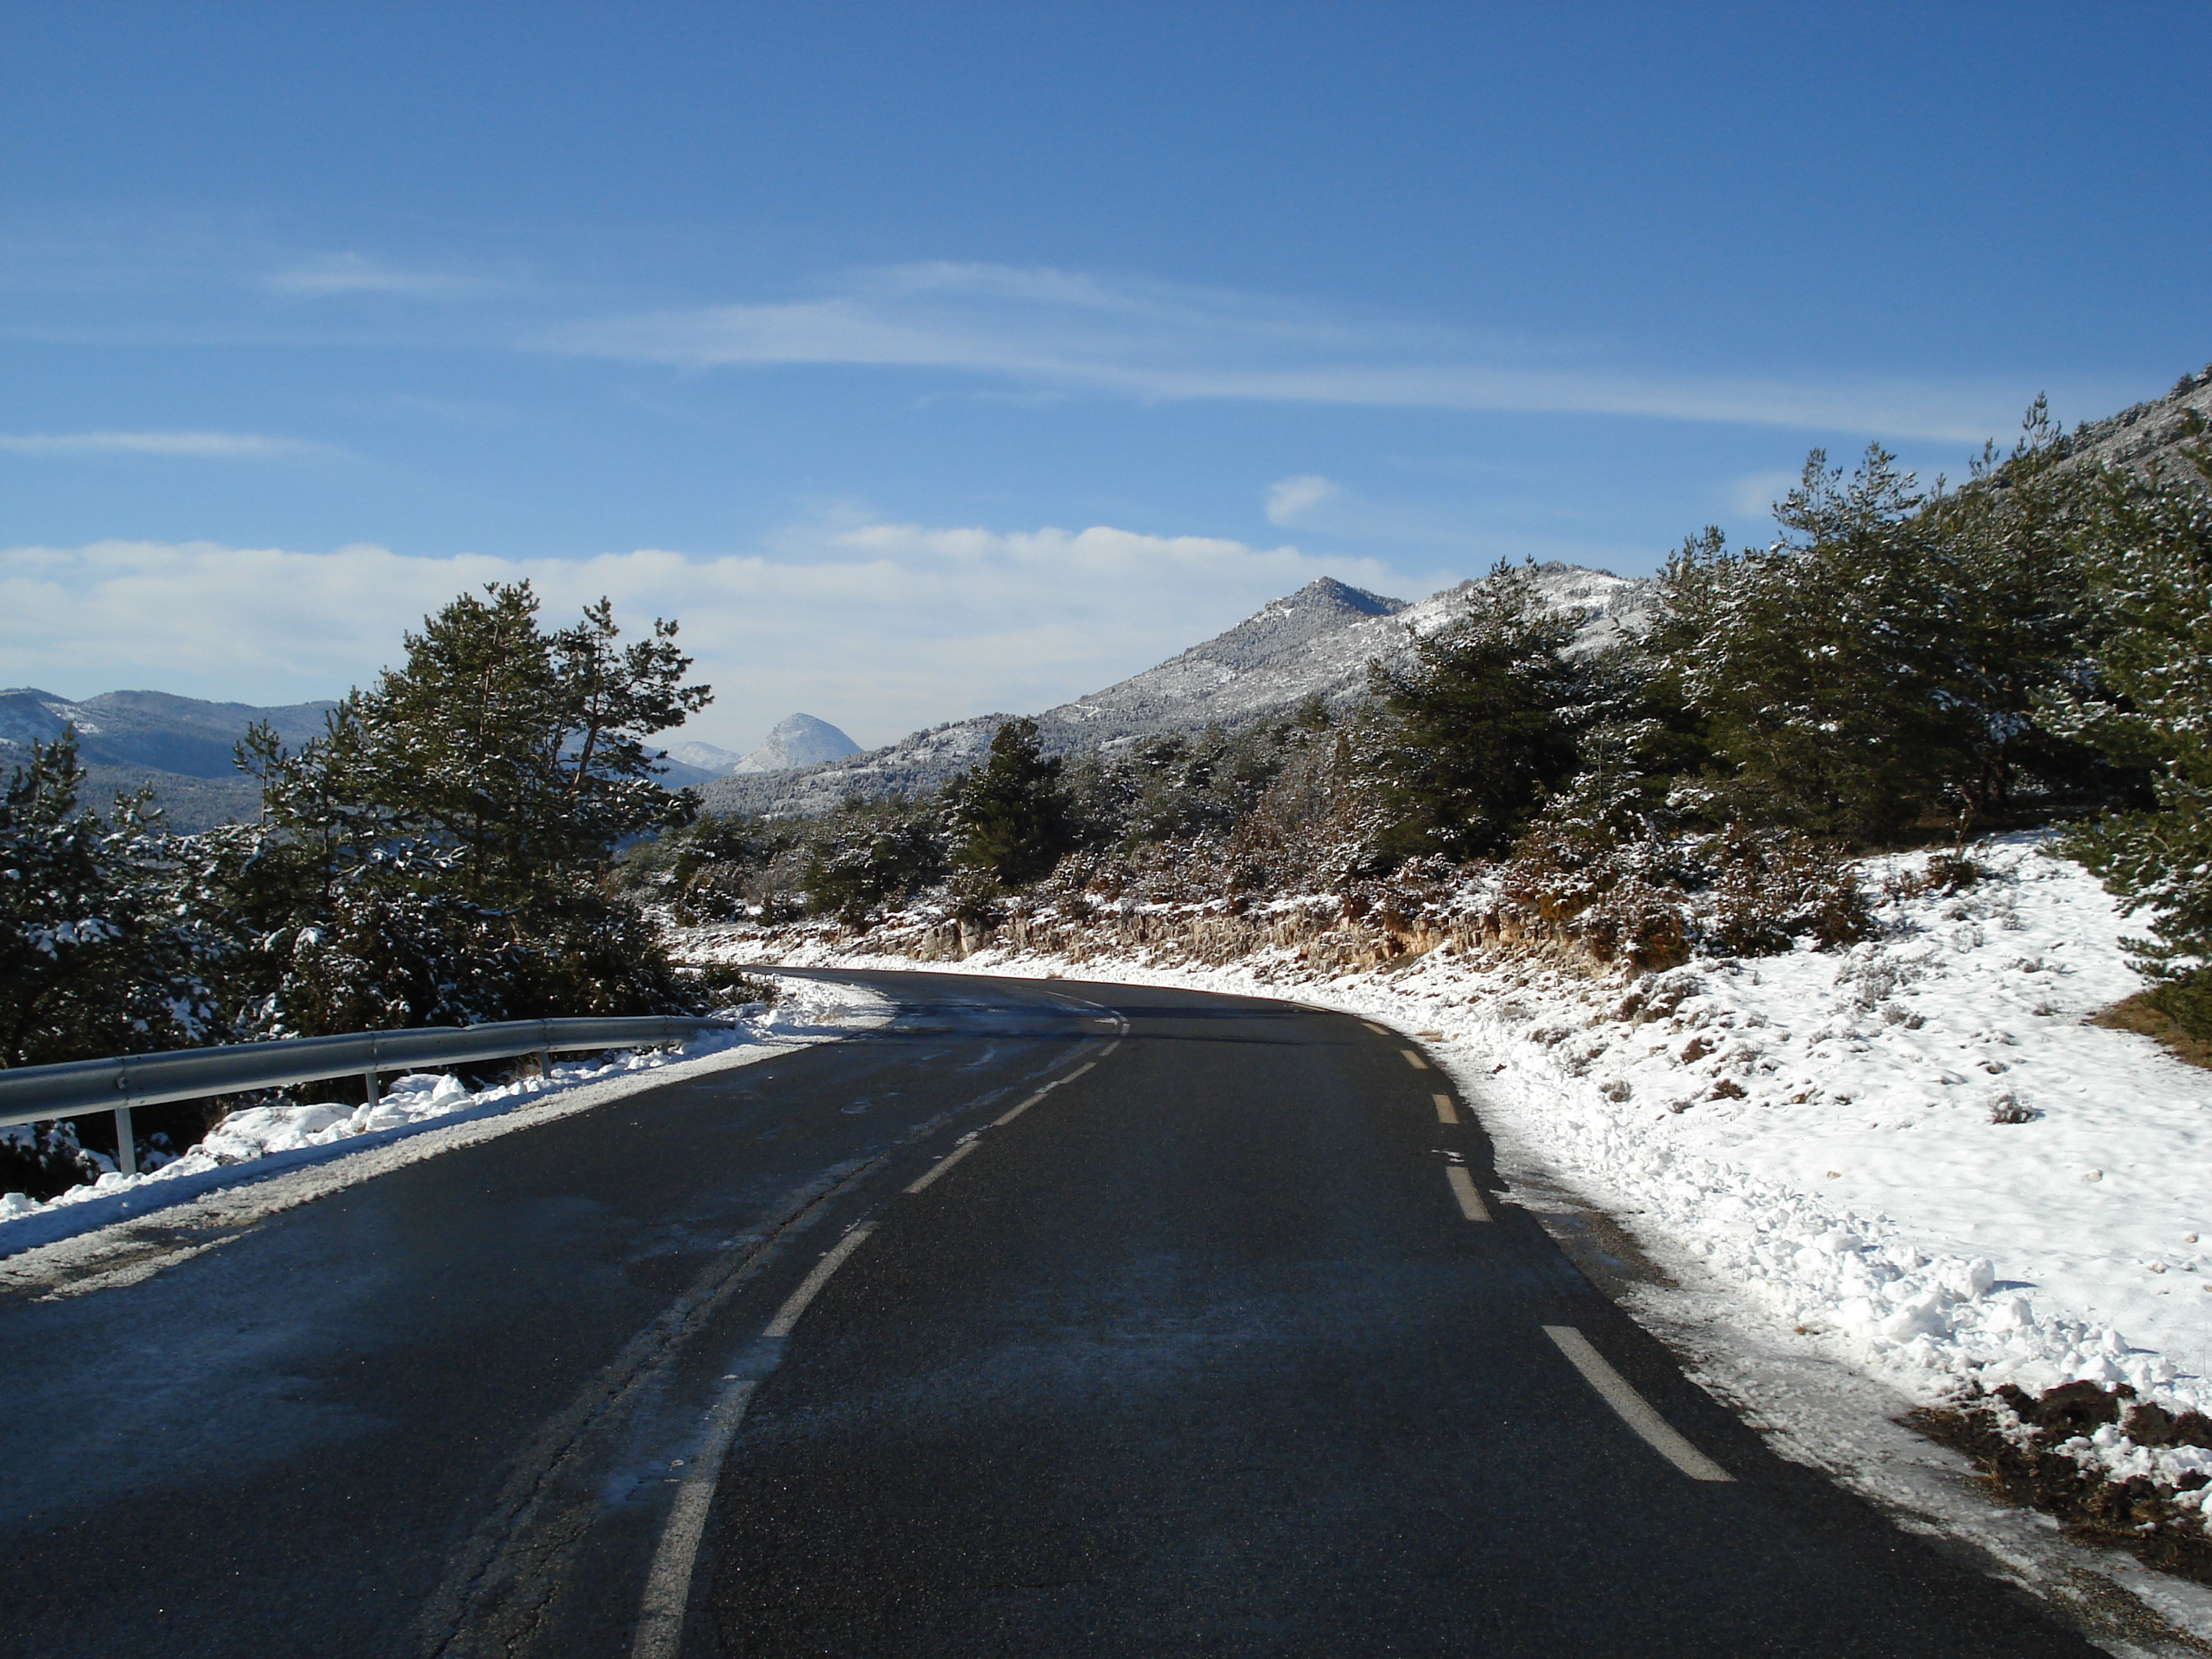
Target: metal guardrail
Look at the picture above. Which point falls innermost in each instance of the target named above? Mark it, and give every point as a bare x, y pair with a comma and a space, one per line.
33, 1094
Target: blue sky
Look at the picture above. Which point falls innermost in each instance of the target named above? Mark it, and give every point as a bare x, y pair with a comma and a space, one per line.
929, 359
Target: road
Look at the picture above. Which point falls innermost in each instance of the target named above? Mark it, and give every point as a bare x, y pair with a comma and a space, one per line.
1053, 1319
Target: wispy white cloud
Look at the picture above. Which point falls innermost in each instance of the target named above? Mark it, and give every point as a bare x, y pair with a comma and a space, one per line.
1151, 340
1753, 495
202, 446
355, 273
1289, 500
882, 628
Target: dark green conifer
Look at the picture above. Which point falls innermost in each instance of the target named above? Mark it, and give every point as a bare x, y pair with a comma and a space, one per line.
1011, 815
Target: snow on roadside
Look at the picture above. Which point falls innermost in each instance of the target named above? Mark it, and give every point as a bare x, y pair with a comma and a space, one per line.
806, 1010
1912, 1156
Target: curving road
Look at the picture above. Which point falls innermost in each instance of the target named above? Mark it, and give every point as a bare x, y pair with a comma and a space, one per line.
1053, 1319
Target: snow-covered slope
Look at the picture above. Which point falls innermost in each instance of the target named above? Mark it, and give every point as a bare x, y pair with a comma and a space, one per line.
1315, 642
796, 740
704, 756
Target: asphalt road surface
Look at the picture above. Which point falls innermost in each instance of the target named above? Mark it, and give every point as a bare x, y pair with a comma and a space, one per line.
1053, 1319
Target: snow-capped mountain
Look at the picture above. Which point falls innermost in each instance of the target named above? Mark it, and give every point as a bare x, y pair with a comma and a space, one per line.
794, 741
1318, 641
704, 758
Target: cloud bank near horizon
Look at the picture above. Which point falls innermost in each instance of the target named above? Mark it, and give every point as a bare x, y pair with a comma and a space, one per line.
880, 627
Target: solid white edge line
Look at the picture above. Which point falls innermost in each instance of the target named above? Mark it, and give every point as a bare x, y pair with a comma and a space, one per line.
1463, 1188
668, 1583
942, 1166
810, 1286
1445, 1114
1631, 1408
1414, 1060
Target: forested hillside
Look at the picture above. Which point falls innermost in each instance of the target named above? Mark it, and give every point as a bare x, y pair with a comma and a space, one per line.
1899, 666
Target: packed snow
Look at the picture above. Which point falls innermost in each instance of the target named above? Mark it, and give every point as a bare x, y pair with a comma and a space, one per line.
1913, 1156
806, 1010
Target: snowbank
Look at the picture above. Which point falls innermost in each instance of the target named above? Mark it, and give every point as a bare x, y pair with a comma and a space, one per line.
806, 1010
1913, 1156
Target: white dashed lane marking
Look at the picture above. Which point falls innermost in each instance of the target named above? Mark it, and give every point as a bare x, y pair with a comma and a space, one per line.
668, 1583
1631, 1407
1414, 1060
810, 1286
1445, 1112
944, 1164
1463, 1188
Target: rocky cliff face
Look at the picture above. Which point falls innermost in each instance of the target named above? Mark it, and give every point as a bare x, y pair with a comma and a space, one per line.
2150, 435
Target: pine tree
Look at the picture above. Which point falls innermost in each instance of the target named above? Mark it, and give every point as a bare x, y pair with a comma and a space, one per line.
2148, 703
1879, 665
91, 962
1481, 727
1011, 815
439, 853
869, 854
1812, 662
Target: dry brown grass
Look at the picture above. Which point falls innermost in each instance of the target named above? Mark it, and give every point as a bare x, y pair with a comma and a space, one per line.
2136, 1014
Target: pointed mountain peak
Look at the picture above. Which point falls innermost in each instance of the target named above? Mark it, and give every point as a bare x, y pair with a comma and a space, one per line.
798, 740
1327, 591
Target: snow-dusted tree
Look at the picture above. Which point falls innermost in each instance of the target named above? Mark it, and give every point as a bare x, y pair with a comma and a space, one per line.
1814, 662
438, 853
1878, 665
869, 855
91, 962
1010, 814
2149, 704
1481, 726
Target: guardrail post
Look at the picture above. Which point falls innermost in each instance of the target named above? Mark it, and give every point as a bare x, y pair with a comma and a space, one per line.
546, 1066
126, 1150
368, 1086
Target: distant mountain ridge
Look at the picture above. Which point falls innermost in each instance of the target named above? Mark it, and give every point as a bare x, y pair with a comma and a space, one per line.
181, 745
1316, 641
